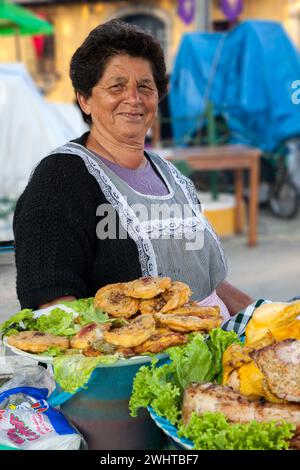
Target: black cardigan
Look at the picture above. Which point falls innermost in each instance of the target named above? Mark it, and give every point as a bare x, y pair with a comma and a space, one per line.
57, 249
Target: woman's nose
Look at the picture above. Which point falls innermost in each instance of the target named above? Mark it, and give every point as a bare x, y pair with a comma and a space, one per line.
133, 94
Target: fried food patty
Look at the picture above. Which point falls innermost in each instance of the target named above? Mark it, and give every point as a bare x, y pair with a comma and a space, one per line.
134, 334
187, 323
147, 287
114, 300
161, 341
37, 342
176, 296
196, 310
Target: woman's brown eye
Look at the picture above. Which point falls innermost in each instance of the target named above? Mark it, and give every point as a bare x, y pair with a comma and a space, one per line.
117, 87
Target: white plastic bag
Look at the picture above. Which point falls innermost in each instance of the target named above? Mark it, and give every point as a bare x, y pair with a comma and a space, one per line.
27, 421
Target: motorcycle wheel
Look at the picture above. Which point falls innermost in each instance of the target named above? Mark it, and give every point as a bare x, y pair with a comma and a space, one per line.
283, 200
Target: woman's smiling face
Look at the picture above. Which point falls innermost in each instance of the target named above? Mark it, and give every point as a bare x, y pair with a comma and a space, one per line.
124, 102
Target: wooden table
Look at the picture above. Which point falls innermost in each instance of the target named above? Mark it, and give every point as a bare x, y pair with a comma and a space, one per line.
227, 157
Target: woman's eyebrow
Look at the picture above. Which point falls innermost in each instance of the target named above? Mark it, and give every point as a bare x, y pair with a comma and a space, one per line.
148, 81
118, 79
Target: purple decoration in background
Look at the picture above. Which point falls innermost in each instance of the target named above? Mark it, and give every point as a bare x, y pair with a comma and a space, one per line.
231, 8
186, 10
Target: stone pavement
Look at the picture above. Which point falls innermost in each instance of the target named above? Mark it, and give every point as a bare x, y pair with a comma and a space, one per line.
271, 270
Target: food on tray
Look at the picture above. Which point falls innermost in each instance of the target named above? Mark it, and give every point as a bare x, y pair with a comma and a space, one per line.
176, 296
265, 333
161, 341
113, 300
196, 310
37, 342
280, 365
228, 405
88, 334
277, 318
200, 398
187, 323
121, 320
147, 287
137, 332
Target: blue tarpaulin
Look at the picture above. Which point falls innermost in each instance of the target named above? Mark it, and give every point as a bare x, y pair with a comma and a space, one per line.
247, 74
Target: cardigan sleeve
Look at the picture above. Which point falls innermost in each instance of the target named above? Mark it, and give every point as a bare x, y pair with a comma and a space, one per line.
55, 231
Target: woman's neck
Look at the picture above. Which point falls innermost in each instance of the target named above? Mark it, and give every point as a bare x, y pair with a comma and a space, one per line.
123, 155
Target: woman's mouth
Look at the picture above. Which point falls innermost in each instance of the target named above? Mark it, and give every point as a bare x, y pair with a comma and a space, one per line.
135, 117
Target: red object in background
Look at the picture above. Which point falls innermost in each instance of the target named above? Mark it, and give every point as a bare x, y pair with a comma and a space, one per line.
39, 41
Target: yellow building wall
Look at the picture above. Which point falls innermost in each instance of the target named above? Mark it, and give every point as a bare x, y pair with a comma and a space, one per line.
73, 23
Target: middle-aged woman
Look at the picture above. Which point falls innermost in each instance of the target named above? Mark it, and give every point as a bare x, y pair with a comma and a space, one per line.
75, 225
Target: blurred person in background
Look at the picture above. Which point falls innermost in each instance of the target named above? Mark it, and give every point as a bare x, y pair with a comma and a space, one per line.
119, 76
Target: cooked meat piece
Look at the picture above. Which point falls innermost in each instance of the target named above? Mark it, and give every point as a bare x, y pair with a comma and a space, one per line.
37, 342
88, 334
161, 341
134, 334
186, 323
280, 364
295, 442
235, 407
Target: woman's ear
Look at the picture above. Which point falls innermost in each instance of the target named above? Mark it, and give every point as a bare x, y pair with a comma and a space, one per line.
84, 102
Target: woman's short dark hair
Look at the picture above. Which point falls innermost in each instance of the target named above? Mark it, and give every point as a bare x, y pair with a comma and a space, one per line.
110, 39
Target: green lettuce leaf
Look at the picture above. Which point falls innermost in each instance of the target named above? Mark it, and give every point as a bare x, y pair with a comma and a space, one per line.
192, 362
217, 342
58, 322
21, 321
88, 313
53, 352
197, 361
212, 431
74, 371
154, 386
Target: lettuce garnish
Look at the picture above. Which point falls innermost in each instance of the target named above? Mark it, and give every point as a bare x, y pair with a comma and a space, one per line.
212, 431
73, 372
22, 321
87, 312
